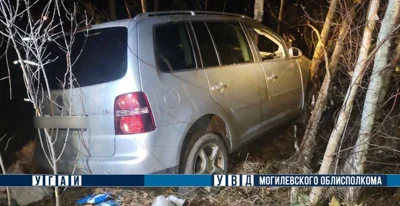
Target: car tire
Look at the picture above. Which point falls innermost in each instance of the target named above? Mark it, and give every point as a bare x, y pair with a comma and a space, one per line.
204, 147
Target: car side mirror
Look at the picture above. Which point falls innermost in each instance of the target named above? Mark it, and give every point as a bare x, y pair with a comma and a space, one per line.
295, 52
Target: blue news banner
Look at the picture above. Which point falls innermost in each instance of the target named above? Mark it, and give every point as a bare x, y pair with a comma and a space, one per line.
160, 180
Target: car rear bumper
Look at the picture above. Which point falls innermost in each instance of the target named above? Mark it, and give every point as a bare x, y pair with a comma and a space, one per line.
153, 152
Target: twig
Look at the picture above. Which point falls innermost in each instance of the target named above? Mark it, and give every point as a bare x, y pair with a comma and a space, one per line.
4, 170
324, 48
296, 145
127, 9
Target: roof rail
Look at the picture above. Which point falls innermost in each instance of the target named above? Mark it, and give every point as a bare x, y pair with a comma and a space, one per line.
194, 13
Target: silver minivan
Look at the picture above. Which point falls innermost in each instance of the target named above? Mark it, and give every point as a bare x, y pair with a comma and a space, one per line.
171, 92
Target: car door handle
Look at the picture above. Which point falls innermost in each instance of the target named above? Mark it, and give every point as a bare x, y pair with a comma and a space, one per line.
219, 87
273, 77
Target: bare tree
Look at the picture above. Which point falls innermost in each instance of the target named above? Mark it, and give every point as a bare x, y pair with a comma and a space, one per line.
112, 10
307, 146
127, 9
345, 111
5, 54
4, 168
330, 73
319, 49
28, 37
156, 5
356, 160
86, 8
280, 17
144, 6
387, 73
259, 10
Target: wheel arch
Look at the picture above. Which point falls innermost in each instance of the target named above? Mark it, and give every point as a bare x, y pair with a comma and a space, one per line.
207, 123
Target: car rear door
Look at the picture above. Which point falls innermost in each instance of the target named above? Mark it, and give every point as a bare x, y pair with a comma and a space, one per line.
236, 81
283, 75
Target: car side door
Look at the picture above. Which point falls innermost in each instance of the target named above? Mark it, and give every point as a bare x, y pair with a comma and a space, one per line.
236, 81
282, 74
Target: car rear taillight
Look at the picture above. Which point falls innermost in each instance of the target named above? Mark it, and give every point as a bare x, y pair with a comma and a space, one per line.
132, 114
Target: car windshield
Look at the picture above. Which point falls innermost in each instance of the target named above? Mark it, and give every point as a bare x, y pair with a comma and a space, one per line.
97, 56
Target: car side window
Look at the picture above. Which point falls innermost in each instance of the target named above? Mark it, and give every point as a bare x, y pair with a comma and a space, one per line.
173, 48
206, 46
231, 42
268, 47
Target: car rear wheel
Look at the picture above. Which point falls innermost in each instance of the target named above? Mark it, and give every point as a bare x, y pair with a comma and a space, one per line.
206, 154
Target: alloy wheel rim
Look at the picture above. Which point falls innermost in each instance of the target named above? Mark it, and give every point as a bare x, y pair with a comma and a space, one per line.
210, 160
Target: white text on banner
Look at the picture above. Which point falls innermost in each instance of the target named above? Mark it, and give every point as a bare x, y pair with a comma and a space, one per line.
233, 180
56, 180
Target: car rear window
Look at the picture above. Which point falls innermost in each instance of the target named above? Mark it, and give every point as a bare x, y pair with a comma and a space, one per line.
97, 56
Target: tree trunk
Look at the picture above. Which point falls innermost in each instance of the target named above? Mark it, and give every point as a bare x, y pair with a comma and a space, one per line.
319, 49
307, 146
144, 6
348, 102
355, 163
127, 9
387, 73
223, 10
313, 123
156, 5
259, 10
112, 10
280, 16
